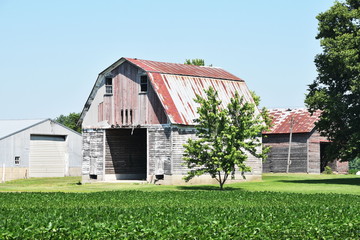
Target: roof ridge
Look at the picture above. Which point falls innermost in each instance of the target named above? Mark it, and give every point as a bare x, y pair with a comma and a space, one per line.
183, 69
138, 59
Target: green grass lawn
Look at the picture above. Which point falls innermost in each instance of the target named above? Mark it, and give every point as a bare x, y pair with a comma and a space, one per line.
300, 183
305, 183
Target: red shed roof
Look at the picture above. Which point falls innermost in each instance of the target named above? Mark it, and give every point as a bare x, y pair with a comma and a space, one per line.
303, 121
182, 69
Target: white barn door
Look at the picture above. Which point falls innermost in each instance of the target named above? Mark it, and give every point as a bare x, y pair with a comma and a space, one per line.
47, 156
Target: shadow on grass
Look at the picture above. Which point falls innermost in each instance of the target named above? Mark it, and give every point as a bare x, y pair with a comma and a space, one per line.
343, 181
208, 188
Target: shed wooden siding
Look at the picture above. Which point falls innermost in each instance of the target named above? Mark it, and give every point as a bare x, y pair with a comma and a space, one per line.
314, 151
125, 151
277, 157
130, 106
340, 167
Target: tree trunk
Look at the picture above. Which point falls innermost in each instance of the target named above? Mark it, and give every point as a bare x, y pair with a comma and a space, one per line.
222, 180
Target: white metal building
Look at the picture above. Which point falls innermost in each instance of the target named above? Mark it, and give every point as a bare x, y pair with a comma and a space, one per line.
38, 148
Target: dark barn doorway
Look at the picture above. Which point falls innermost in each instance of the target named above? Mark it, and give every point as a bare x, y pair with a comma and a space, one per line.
324, 160
125, 153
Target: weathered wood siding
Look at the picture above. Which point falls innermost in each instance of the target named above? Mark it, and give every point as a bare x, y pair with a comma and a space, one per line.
130, 106
155, 110
93, 145
342, 167
180, 136
255, 164
314, 151
107, 109
159, 150
339, 167
314, 142
125, 152
127, 105
141, 153
146, 107
95, 112
278, 155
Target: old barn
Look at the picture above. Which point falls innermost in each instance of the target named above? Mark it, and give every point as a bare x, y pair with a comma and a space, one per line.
140, 113
296, 128
38, 148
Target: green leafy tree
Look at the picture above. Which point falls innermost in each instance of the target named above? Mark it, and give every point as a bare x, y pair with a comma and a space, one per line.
70, 121
336, 90
196, 61
355, 164
224, 137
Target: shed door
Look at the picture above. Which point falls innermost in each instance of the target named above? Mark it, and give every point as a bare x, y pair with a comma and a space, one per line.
47, 156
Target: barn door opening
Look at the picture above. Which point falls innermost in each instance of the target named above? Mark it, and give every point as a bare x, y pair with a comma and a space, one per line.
324, 160
126, 154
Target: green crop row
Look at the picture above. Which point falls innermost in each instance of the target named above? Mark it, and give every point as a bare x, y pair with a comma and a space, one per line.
179, 215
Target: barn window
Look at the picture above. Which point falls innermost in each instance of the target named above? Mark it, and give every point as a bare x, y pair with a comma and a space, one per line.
143, 83
108, 86
17, 160
126, 116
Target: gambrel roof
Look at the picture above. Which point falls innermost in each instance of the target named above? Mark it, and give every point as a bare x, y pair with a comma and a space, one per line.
177, 85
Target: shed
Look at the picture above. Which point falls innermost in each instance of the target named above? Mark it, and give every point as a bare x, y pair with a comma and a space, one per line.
307, 147
140, 113
38, 148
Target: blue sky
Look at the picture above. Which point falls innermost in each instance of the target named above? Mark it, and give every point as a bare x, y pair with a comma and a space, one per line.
52, 51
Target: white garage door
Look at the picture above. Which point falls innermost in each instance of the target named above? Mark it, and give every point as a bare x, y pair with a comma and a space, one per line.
47, 156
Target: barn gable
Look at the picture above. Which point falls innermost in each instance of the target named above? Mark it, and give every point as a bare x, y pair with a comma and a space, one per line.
173, 88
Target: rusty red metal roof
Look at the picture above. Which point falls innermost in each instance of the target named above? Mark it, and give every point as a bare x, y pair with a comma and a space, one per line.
177, 94
303, 121
182, 69
178, 84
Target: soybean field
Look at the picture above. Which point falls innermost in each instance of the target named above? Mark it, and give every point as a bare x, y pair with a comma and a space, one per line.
202, 214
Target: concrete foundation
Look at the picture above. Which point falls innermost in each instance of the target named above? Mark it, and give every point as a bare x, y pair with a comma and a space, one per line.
13, 173
74, 171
